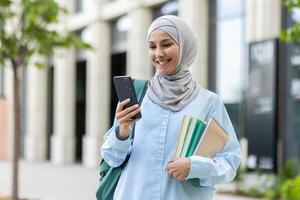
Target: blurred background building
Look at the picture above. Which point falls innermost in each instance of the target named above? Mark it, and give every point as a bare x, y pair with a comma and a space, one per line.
68, 107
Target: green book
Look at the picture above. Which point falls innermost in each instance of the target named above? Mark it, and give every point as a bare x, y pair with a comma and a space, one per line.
198, 131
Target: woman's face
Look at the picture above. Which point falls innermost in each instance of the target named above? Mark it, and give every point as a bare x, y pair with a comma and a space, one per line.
163, 52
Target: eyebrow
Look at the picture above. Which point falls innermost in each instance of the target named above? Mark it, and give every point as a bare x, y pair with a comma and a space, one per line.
164, 40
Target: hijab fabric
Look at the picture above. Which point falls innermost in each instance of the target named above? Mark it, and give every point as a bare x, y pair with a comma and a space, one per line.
176, 90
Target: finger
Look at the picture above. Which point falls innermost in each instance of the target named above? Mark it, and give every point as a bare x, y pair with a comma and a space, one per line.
172, 160
179, 176
127, 121
170, 172
182, 177
121, 105
124, 112
168, 167
128, 116
133, 113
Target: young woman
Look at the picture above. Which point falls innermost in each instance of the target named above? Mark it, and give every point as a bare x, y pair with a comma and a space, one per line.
152, 172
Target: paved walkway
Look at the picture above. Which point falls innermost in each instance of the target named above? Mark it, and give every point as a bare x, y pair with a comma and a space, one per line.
45, 181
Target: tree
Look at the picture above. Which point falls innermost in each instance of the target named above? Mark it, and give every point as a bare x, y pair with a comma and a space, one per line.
27, 28
292, 34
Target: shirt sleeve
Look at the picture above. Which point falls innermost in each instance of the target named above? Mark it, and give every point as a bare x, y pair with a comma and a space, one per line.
221, 168
114, 150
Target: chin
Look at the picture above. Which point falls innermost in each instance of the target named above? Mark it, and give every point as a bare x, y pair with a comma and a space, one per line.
164, 73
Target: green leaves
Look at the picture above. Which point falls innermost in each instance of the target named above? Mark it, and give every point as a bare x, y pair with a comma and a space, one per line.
291, 34
291, 4
290, 189
5, 3
38, 12
34, 32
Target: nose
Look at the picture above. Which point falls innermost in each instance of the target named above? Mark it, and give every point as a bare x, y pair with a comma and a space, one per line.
159, 52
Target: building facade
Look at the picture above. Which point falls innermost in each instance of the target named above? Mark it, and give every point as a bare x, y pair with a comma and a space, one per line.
68, 108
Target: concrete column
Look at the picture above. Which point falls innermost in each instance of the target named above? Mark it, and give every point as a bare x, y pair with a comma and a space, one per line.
263, 19
63, 139
138, 63
195, 13
98, 93
36, 114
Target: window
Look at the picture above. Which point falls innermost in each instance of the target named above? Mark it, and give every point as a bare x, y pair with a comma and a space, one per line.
292, 96
85, 35
228, 50
83, 5
168, 8
119, 34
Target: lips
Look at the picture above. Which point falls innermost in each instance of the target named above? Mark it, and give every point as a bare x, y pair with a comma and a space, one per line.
163, 62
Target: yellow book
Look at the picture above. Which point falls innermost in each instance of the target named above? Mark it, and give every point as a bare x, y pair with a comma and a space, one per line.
182, 134
189, 135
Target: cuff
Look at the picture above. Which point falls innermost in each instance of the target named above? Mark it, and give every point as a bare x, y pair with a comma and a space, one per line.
119, 144
200, 167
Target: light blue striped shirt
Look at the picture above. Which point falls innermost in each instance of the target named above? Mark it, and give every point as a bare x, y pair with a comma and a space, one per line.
145, 176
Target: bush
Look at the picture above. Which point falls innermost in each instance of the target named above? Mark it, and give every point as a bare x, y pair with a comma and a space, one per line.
290, 189
289, 171
284, 186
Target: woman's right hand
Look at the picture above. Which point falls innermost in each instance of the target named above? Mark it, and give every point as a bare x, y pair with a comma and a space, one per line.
124, 118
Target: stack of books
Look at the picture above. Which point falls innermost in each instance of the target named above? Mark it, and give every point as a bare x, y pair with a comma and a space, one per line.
200, 138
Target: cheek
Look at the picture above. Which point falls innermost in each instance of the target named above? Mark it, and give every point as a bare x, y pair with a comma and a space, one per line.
151, 55
176, 55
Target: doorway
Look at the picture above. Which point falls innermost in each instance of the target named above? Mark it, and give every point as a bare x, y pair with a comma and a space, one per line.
80, 107
118, 68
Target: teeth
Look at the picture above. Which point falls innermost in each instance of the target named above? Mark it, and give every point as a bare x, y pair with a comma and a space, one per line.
162, 62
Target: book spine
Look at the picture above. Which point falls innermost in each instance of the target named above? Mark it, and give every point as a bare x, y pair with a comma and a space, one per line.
185, 134
197, 135
203, 134
188, 137
182, 134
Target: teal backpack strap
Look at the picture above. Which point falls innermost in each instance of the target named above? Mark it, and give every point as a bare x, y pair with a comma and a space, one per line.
140, 88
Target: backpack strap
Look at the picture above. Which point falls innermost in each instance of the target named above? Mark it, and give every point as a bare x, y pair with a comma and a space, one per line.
140, 90
140, 87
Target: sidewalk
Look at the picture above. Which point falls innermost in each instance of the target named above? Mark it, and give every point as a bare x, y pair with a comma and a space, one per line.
45, 181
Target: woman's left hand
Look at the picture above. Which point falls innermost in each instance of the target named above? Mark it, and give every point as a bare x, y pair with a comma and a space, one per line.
179, 168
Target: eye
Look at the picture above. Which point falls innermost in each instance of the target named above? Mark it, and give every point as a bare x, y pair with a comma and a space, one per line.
167, 45
152, 46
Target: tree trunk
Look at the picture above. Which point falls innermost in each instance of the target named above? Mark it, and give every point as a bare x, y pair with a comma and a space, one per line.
16, 135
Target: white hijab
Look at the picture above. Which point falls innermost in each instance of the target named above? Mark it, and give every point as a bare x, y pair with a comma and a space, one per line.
178, 89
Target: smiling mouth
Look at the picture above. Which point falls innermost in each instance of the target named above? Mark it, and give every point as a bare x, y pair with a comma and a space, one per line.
164, 62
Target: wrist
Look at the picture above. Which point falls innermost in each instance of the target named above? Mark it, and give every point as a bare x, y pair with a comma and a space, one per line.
120, 134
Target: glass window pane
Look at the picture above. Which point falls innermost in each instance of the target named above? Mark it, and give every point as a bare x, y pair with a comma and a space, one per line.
229, 8
169, 8
293, 136
230, 59
119, 34
83, 5
86, 36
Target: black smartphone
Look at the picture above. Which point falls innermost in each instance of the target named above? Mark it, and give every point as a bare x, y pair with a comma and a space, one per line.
125, 89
